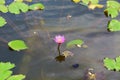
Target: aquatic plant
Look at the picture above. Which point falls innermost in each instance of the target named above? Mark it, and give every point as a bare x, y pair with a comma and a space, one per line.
6, 73
112, 9
59, 39
67, 53
2, 21
73, 43
16, 7
60, 58
17, 45
112, 64
114, 25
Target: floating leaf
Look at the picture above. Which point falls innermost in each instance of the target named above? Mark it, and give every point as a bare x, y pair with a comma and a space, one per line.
17, 45
113, 4
73, 43
6, 73
67, 53
117, 67
37, 6
3, 9
16, 77
2, 1
4, 70
114, 25
76, 1
112, 12
90, 1
28, 0
16, 7
93, 6
2, 22
6, 66
109, 63
112, 9
112, 64
22, 7
81, 3
18, 0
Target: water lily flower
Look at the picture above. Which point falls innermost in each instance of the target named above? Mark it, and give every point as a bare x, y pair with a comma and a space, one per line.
59, 39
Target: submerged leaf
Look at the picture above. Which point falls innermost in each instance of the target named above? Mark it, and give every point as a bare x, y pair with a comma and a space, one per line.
37, 6
2, 22
67, 53
17, 45
114, 25
77, 42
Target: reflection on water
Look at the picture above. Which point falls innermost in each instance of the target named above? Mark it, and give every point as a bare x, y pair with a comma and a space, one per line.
37, 28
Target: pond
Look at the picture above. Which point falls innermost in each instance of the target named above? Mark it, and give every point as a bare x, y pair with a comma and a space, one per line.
74, 21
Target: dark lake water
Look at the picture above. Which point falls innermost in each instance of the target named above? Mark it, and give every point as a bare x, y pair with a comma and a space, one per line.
37, 28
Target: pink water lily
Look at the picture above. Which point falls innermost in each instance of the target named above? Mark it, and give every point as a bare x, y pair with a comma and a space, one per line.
59, 39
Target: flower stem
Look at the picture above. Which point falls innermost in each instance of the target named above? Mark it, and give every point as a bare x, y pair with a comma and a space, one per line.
59, 48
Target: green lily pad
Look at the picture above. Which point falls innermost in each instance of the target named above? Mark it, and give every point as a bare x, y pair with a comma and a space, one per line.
17, 45
6, 73
2, 1
112, 12
18, 0
113, 4
112, 64
2, 22
37, 6
73, 43
5, 70
90, 1
17, 7
6, 66
117, 67
109, 63
114, 25
16, 77
3, 9
112, 8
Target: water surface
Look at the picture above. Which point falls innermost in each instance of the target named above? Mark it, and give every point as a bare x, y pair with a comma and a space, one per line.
37, 28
